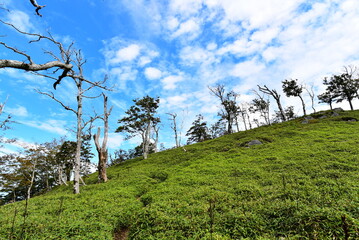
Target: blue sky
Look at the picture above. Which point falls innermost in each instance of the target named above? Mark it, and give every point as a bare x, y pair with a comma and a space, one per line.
174, 50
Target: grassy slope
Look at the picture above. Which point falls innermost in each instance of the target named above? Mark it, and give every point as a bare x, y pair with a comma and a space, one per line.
302, 183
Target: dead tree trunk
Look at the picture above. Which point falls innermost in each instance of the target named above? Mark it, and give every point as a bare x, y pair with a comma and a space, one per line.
102, 149
79, 128
156, 131
146, 141
276, 97
32, 179
78, 80
311, 95
174, 127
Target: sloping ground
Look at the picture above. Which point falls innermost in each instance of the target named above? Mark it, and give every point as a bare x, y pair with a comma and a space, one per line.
301, 183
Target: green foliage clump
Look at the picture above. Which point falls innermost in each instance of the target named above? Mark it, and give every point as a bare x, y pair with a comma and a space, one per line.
300, 183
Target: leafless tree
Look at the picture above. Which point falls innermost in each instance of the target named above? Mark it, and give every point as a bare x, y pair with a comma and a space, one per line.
261, 105
3, 122
229, 105
173, 117
61, 62
310, 91
243, 113
155, 137
102, 150
276, 97
79, 80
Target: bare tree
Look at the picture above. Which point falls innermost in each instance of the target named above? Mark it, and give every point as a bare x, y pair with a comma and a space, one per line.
102, 150
79, 80
276, 97
155, 137
173, 117
242, 109
310, 91
7, 119
60, 63
261, 105
229, 105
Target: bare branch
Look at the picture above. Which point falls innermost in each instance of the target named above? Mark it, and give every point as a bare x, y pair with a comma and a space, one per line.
51, 95
17, 51
38, 7
65, 64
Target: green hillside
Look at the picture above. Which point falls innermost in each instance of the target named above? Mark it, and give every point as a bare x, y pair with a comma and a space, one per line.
301, 183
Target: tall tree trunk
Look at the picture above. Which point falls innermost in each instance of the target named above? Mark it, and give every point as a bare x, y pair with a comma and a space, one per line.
156, 137
303, 104
350, 103
229, 125
32, 179
174, 128
102, 150
276, 96
146, 142
237, 123
77, 163
102, 158
249, 122
282, 114
244, 120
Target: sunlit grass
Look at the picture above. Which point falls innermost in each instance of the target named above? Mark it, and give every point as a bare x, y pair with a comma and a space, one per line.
301, 183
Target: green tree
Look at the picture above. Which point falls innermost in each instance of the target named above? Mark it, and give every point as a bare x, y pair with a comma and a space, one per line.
327, 97
342, 87
28, 173
217, 129
291, 88
65, 158
140, 120
198, 132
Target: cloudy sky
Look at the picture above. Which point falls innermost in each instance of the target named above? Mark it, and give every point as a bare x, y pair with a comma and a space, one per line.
175, 50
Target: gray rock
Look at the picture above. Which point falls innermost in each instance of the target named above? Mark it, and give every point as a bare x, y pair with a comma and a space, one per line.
308, 118
254, 142
306, 121
338, 110
335, 114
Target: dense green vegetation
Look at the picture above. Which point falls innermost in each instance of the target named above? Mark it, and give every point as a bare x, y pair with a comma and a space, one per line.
301, 183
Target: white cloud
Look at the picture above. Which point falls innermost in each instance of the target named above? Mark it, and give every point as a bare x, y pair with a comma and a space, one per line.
22, 76
191, 28
115, 140
119, 104
185, 8
211, 46
128, 53
247, 68
195, 55
256, 13
144, 60
169, 83
177, 101
20, 20
19, 111
51, 125
152, 73
123, 74
172, 23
